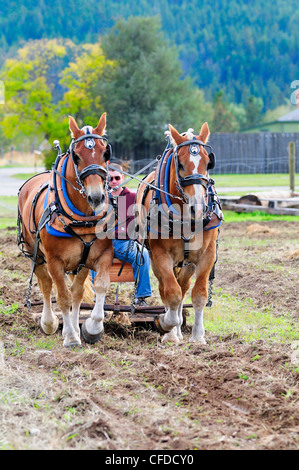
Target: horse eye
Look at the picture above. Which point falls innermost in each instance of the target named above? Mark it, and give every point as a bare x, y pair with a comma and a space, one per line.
181, 166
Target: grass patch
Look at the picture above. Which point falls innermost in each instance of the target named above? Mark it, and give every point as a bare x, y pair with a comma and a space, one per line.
6, 222
257, 216
230, 315
239, 181
261, 180
8, 204
23, 176
8, 211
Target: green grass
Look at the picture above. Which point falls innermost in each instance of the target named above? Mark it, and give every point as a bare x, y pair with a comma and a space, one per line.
258, 216
23, 176
230, 315
261, 180
239, 181
8, 203
8, 211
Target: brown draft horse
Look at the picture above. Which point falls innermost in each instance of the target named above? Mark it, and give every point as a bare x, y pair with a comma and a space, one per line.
85, 178
172, 264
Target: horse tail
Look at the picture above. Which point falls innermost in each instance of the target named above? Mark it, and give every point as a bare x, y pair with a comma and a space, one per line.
88, 294
88, 291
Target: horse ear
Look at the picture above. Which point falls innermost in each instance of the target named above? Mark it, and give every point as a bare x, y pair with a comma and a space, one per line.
177, 137
204, 133
75, 131
101, 127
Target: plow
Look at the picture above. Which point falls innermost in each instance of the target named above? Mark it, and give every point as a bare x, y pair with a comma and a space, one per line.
121, 313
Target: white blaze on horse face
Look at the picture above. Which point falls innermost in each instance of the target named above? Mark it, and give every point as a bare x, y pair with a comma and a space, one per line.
87, 129
195, 159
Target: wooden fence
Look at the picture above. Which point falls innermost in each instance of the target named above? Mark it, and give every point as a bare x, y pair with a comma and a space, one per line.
264, 152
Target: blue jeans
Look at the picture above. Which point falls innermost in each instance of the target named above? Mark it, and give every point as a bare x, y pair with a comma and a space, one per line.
127, 250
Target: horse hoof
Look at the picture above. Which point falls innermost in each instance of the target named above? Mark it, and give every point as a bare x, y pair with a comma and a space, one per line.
50, 328
158, 326
88, 338
198, 340
72, 344
171, 337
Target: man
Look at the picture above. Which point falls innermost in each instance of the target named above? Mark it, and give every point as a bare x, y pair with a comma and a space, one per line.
125, 248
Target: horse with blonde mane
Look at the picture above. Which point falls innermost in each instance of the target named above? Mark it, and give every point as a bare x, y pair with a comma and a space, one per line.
184, 196
60, 213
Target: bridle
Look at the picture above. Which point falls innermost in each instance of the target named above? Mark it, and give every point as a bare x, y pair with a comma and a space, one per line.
197, 178
92, 169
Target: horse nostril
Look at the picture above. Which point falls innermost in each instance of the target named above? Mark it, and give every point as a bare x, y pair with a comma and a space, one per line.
95, 201
90, 200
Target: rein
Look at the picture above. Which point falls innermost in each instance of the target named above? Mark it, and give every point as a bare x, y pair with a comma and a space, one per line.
150, 185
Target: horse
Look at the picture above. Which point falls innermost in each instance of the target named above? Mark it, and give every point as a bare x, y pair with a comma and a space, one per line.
181, 180
59, 213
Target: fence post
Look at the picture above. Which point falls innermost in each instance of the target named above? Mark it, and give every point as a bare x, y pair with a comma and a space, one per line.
292, 165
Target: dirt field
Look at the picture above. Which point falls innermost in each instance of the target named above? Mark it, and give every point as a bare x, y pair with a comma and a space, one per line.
132, 392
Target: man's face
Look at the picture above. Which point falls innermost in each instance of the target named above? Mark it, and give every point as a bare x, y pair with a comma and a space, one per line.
115, 178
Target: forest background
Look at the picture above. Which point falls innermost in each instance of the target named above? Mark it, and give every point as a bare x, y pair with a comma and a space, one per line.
146, 64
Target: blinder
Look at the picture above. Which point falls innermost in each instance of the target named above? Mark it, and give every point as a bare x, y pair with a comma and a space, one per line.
108, 153
212, 162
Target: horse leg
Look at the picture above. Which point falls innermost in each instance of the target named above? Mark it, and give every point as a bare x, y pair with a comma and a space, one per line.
199, 293
184, 280
64, 301
77, 290
93, 328
49, 321
172, 297
199, 299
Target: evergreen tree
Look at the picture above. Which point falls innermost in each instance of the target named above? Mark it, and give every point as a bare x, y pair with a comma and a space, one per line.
253, 110
224, 119
145, 91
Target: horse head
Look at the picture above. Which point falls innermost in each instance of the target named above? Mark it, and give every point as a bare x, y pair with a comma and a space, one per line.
193, 158
90, 152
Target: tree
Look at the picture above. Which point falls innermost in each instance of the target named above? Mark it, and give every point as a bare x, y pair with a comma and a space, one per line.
32, 92
145, 90
80, 79
253, 110
224, 119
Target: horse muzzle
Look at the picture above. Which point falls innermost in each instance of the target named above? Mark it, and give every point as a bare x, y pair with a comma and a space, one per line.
96, 200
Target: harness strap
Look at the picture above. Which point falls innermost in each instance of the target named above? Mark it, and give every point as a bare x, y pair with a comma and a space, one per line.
182, 263
195, 179
46, 216
93, 170
86, 247
65, 179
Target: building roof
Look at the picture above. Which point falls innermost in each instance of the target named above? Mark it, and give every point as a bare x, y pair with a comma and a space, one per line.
290, 117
